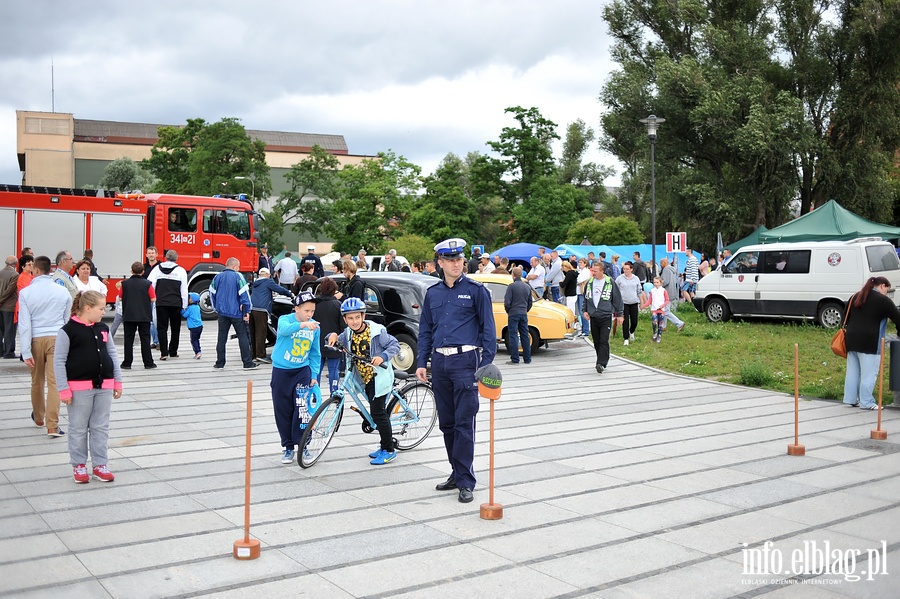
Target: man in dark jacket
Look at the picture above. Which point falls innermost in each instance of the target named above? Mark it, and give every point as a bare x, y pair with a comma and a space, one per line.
261, 299
169, 280
265, 260
9, 277
475, 262
230, 295
602, 303
517, 302
311, 258
137, 298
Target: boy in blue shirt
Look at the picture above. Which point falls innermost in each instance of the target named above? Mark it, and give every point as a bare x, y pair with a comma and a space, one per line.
194, 322
296, 361
371, 343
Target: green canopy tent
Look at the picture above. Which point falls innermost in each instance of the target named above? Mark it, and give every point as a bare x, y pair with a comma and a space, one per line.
276, 258
751, 239
829, 222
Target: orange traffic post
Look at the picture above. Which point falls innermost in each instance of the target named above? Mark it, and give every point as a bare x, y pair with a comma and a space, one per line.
796, 448
878, 434
247, 548
489, 383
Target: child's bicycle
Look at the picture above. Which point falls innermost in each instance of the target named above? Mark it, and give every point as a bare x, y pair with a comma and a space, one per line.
410, 406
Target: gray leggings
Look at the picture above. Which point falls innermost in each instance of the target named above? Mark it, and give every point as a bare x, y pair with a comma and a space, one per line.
89, 417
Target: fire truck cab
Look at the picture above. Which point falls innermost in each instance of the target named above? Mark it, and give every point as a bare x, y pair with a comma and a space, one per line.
204, 231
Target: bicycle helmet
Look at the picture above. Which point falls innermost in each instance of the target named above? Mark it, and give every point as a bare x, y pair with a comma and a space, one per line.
353, 304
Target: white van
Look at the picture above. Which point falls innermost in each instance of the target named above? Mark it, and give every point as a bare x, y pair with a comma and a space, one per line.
810, 280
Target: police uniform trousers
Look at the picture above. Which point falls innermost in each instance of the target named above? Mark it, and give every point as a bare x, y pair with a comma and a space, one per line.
456, 396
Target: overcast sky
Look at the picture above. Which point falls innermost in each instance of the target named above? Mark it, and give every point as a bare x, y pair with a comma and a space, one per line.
419, 77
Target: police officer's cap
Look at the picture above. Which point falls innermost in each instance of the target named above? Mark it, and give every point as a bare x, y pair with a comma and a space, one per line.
450, 248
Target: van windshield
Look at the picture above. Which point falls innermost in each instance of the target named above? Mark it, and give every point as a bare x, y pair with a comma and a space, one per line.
882, 257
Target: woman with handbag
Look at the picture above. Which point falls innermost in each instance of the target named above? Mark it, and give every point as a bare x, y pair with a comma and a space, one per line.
865, 325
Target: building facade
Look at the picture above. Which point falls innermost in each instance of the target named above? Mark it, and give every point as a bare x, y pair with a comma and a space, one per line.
57, 150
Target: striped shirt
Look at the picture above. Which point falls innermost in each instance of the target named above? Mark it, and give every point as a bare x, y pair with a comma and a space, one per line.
692, 270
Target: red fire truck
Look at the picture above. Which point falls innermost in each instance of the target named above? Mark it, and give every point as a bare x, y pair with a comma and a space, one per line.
118, 228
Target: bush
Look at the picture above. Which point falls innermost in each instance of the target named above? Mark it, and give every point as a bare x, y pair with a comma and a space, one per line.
755, 374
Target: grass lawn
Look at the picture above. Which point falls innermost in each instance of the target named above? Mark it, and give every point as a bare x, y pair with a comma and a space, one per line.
755, 353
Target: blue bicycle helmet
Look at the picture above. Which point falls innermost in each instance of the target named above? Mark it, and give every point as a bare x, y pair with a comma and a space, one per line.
353, 304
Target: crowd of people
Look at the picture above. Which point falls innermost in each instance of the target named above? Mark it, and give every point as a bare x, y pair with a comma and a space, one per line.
58, 313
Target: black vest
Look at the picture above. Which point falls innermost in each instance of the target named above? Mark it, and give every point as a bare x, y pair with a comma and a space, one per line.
136, 300
88, 359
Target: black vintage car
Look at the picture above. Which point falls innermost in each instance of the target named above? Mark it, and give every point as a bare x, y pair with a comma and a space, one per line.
394, 299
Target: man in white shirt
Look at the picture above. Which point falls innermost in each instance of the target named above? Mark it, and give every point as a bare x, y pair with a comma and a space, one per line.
536, 276
486, 265
287, 270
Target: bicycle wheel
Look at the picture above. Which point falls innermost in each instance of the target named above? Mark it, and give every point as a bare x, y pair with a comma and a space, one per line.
410, 427
319, 431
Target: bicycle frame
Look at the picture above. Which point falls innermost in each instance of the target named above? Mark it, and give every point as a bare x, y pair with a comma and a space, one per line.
410, 406
352, 385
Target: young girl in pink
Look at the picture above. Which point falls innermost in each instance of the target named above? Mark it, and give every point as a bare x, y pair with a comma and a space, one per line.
657, 299
88, 379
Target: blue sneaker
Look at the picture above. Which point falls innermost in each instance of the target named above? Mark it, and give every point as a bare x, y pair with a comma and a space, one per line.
375, 453
288, 456
383, 457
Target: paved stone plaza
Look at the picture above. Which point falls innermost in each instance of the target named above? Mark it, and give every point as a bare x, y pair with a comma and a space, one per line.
631, 484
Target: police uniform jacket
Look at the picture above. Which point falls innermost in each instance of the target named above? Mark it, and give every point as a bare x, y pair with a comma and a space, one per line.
457, 316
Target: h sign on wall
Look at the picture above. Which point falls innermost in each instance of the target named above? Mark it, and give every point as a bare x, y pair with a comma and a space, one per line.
676, 242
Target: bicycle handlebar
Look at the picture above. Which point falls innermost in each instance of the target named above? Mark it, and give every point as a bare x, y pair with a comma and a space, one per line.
353, 357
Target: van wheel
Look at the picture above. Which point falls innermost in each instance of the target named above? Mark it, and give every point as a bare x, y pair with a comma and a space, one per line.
717, 310
831, 315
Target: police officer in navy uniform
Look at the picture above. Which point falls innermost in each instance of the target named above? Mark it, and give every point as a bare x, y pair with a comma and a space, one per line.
456, 332
318, 269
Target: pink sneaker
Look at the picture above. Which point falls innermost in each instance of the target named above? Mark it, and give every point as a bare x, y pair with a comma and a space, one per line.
102, 473
80, 474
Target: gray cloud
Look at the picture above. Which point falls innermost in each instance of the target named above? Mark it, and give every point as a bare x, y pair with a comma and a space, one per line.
414, 76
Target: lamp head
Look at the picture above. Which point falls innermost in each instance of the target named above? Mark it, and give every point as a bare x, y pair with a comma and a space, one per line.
652, 123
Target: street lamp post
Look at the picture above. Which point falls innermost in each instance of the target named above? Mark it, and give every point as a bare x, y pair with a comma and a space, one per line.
652, 123
252, 186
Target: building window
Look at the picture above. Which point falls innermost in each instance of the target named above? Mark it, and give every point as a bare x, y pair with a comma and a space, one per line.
37, 125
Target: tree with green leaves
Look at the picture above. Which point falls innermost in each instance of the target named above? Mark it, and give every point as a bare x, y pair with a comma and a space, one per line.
446, 209
619, 230
198, 158
547, 215
525, 152
764, 102
313, 178
124, 175
589, 177
586, 228
372, 201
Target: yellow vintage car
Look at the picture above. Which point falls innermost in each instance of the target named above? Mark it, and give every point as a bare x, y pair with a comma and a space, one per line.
547, 321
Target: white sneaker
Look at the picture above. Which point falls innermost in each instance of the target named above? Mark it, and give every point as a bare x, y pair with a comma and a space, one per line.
626, 342
632, 337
